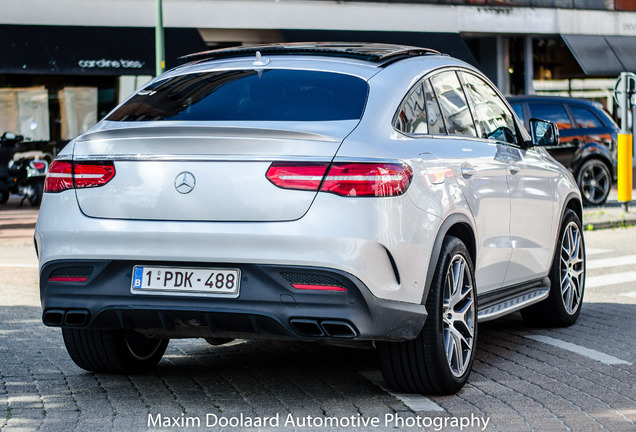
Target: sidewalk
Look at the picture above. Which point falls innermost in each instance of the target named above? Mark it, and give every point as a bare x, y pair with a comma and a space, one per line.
610, 215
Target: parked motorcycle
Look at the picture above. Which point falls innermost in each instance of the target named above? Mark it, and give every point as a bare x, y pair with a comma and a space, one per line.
21, 172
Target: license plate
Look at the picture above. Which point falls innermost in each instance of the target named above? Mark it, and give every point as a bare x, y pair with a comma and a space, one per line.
189, 281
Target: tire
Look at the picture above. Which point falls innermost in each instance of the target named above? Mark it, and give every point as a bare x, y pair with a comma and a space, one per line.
424, 364
594, 181
567, 279
113, 351
4, 197
38, 191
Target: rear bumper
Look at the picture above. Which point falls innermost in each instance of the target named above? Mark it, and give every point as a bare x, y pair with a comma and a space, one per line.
268, 306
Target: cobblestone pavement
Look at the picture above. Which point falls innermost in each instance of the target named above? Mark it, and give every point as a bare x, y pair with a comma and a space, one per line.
581, 378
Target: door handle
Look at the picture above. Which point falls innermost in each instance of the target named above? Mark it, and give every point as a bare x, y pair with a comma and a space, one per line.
468, 171
514, 168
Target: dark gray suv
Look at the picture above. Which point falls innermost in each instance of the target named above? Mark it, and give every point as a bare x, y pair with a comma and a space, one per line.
588, 138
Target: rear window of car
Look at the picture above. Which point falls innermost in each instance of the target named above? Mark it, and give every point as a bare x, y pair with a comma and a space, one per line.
249, 95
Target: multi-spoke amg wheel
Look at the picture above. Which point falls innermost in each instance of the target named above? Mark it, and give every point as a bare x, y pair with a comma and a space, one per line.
439, 359
567, 278
595, 181
458, 315
572, 268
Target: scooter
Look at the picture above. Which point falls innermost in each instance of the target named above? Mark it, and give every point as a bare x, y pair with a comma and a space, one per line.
24, 173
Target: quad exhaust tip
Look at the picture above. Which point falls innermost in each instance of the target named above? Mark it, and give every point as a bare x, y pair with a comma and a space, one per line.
308, 327
71, 318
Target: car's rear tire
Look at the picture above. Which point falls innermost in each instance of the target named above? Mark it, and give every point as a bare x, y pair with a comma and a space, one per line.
439, 359
595, 181
567, 279
113, 351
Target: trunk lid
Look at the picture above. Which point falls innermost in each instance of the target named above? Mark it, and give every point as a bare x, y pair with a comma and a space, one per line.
203, 173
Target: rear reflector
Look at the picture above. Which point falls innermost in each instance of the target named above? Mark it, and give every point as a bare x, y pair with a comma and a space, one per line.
65, 175
318, 287
345, 179
68, 279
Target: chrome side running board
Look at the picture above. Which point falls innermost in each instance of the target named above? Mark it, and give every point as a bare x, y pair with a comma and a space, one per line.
515, 302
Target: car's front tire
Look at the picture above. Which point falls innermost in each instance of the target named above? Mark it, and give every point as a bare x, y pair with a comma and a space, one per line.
440, 359
567, 279
113, 351
595, 181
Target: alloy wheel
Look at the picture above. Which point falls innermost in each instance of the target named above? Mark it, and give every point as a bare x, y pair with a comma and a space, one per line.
458, 315
595, 183
572, 268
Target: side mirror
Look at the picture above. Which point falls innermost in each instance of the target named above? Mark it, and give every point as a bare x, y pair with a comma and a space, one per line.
543, 133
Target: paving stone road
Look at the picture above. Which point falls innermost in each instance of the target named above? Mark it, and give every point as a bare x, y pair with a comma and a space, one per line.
524, 378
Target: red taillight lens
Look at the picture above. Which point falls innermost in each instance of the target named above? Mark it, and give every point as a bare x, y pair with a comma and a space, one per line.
59, 177
39, 165
346, 179
65, 175
301, 176
368, 179
93, 175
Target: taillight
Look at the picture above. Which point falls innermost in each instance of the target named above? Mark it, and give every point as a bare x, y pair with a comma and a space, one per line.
93, 175
368, 179
39, 166
345, 179
301, 176
59, 177
65, 175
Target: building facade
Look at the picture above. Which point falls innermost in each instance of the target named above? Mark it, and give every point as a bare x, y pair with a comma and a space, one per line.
575, 47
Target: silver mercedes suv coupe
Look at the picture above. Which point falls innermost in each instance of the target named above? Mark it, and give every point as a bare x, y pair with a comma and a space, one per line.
363, 193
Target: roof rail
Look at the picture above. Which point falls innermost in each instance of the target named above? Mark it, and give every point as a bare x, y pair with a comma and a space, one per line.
374, 52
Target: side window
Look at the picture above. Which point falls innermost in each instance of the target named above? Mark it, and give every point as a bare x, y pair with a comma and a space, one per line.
435, 120
585, 118
552, 112
452, 102
419, 113
492, 117
411, 117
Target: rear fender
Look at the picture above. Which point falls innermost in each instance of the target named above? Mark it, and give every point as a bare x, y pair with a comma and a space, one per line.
460, 226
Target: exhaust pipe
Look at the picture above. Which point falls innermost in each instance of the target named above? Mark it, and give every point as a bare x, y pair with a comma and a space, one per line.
53, 318
338, 329
76, 318
306, 327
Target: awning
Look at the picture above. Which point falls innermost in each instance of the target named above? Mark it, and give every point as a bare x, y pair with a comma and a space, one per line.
447, 43
80, 50
603, 55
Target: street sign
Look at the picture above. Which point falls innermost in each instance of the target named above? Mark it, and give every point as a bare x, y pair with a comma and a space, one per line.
631, 89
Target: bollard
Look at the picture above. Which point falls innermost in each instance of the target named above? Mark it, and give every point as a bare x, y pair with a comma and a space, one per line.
625, 169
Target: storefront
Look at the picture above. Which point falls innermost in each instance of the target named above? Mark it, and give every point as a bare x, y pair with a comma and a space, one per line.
56, 81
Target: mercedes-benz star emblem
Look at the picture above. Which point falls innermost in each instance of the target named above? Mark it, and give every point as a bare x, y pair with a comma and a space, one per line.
185, 182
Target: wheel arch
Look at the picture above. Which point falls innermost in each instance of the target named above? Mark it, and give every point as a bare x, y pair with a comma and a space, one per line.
572, 202
456, 225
